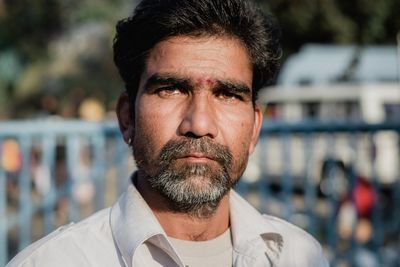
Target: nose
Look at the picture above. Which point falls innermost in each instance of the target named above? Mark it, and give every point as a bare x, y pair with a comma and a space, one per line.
199, 119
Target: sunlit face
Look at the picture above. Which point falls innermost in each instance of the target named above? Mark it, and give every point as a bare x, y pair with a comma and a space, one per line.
195, 123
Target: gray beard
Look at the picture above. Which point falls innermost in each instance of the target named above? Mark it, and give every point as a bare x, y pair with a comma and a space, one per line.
198, 198
197, 188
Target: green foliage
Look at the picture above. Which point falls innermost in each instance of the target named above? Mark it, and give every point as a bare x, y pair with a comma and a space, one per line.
48, 41
28, 25
335, 21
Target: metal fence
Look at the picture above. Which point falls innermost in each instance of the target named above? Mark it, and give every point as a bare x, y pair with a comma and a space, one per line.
336, 180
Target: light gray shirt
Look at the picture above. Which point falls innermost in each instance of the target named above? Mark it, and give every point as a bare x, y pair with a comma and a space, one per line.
117, 236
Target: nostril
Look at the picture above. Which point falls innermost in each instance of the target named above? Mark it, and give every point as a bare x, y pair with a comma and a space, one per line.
192, 135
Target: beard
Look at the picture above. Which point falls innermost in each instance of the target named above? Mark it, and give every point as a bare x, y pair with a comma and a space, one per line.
192, 188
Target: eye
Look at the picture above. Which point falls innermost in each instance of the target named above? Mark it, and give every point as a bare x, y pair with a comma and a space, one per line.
229, 97
169, 91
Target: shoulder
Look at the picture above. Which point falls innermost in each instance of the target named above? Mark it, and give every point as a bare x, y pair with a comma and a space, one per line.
286, 228
68, 244
299, 248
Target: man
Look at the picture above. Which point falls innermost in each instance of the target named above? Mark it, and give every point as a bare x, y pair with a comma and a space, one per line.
192, 69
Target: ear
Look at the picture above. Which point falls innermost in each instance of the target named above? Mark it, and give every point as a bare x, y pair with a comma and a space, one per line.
125, 119
258, 119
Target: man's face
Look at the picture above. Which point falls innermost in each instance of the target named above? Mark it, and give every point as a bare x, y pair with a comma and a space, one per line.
195, 123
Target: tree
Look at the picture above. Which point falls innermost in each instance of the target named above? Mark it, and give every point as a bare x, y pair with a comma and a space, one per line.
335, 21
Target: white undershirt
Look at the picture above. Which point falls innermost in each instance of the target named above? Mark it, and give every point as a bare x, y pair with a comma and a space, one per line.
216, 252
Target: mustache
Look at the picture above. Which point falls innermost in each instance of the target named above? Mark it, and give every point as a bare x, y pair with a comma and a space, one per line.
175, 149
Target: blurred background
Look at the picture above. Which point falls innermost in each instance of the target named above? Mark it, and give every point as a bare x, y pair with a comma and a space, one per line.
327, 160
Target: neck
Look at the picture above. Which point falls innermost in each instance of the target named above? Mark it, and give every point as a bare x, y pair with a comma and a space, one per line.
181, 225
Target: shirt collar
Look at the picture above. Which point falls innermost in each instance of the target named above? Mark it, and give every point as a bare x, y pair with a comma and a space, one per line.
251, 231
133, 223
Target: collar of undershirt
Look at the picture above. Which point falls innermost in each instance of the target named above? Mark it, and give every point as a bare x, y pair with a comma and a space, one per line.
207, 249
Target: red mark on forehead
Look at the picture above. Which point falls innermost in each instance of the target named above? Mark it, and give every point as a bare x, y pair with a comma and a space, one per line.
205, 81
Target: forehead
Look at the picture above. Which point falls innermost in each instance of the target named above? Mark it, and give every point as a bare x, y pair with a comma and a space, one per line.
202, 59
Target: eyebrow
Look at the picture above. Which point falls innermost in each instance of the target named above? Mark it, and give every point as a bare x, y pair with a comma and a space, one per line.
235, 88
167, 79
183, 82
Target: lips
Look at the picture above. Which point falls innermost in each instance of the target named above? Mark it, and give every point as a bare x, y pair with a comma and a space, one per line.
197, 155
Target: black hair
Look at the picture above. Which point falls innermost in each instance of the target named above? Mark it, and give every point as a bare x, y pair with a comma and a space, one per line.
156, 20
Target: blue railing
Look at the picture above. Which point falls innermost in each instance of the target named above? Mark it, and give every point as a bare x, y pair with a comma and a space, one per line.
53, 172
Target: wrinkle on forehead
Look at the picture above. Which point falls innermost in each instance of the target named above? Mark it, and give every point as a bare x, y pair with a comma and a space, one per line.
205, 60
203, 45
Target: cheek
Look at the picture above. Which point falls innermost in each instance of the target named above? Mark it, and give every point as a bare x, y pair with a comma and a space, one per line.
240, 156
146, 140
156, 114
238, 128
154, 127
147, 116
148, 132
146, 122
239, 142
